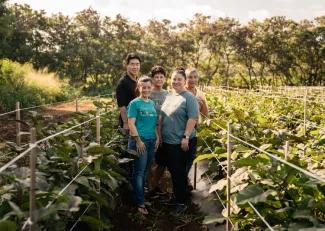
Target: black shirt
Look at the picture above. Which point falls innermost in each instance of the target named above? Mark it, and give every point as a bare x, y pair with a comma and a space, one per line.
125, 93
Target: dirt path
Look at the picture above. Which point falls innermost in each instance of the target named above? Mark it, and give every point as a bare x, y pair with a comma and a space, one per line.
126, 217
60, 112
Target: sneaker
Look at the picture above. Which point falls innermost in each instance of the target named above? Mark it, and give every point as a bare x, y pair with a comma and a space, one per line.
171, 201
152, 194
179, 208
159, 191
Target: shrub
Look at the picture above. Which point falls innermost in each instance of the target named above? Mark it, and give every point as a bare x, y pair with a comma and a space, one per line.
30, 87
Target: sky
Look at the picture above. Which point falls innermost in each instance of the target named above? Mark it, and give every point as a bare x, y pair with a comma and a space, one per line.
182, 10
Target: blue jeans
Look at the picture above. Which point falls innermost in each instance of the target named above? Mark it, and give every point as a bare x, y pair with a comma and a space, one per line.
140, 168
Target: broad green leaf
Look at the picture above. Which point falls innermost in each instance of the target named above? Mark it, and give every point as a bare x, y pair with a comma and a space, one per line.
302, 214
242, 148
218, 186
94, 223
283, 210
263, 158
203, 157
246, 162
300, 226
101, 150
16, 209
265, 146
253, 194
213, 218
98, 104
83, 181
8, 226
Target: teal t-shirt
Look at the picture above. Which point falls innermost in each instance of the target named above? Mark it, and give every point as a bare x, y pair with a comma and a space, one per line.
145, 117
175, 112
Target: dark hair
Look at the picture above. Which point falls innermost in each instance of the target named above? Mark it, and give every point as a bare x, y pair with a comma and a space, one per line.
142, 79
158, 70
132, 56
181, 71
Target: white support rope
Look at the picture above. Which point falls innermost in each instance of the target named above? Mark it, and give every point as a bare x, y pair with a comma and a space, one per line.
301, 121
214, 155
275, 157
60, 193
66, 130
280, 160
7, 113
223, 205
250, 204
28, 221
67, 186
270, 96
44, 105
81, 216
262, 218
31, 146
49, 104
42, 140
316, 161
106, 95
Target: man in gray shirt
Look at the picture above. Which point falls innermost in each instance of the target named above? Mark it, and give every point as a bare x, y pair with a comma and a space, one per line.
158, 96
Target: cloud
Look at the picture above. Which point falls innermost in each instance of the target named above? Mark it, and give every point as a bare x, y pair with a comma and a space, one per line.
53, 7
184, 14
259, 15
284, 1
175, 15
318, 13
316, 7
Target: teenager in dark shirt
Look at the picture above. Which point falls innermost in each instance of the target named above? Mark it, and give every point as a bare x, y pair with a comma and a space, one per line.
125, 93
125, 90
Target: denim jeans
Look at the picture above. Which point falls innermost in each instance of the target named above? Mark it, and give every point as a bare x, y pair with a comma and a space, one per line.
140, 168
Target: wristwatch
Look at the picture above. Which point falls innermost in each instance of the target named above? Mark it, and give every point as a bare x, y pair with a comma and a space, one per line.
186, 137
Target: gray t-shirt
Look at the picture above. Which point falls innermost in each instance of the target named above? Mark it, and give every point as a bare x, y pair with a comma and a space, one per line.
175, 112
158, 98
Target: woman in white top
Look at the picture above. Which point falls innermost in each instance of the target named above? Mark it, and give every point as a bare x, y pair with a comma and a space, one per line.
192, 80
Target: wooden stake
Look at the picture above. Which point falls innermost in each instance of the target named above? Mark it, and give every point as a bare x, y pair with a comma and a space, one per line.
77, 104
97, 162
82, 146
305, 112
18, 137
195, 173
286, 150
228, 175
32, 193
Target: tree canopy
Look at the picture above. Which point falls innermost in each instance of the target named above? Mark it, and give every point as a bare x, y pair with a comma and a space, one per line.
91, 47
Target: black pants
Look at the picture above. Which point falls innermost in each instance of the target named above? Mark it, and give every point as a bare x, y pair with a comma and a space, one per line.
177, 161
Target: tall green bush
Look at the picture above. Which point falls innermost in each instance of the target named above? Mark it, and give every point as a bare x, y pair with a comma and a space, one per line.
22, 83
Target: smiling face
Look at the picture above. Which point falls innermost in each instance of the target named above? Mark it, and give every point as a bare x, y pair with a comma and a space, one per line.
192, 80
158, 80
178, 82
145, 89
133, 67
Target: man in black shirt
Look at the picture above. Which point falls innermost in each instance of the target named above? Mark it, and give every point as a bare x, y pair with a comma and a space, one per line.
125, 91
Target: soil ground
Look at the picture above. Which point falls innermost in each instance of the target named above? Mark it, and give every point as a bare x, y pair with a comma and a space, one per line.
125, 217
59, 112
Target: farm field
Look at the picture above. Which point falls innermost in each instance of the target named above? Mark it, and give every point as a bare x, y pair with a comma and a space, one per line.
79, 184
284, 197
